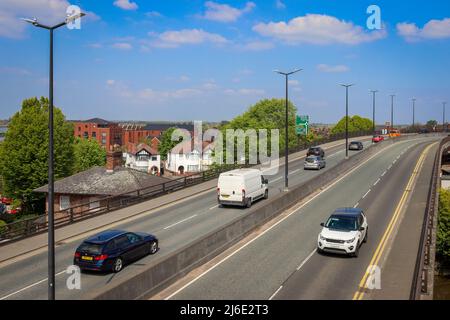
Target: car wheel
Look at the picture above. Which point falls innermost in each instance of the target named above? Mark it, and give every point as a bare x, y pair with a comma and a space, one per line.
319, 251
366, 236
117, 265
266, 194
249, 202
356, 253
153, 248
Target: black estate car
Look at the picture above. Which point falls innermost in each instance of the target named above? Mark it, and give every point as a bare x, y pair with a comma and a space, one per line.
112, 249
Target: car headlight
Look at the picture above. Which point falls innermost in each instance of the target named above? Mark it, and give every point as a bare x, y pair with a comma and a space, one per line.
350, 241
321, 237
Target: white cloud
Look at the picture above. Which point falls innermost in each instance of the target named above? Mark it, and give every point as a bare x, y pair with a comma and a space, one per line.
122, 46
245, 92
332, 69
110, 82
258, 46
153, 14
280, 5
224, 12
433, 29
126, 4
95, 45
294, 83
318, 29
46, 11
15, 71
176, 38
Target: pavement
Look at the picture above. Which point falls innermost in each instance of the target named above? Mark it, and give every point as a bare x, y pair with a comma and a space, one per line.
280, 260
175, 219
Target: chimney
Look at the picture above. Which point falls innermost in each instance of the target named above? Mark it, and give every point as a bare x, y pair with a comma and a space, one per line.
113, 160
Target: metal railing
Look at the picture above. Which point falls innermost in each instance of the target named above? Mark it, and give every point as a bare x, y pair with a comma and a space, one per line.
421, 279
32, 226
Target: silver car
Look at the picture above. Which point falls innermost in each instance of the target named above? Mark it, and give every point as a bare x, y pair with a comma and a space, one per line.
314, 162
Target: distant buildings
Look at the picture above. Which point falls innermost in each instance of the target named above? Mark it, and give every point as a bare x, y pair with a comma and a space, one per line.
143, 158
186, 157
86, 190
108, 134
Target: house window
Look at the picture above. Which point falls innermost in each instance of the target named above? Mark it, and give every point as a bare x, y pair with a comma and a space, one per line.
154, 158
86, 135
94, 134
64, 202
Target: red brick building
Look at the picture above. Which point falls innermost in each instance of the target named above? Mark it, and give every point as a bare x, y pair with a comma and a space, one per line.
108, 134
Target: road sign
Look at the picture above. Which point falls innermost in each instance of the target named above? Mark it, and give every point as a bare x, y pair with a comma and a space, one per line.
302, 125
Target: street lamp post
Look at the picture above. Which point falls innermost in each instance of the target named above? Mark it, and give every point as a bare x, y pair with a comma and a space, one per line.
443, 116
286, 143
51, 218
392, 111
346, 117
414, 114
373, 109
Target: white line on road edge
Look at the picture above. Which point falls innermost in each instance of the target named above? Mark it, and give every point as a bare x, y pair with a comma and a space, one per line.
376, 182
271, 297
180, 222
30, 286
383, 174
306, 260
277, 223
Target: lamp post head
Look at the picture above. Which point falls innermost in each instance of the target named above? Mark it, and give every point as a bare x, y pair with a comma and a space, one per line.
33, 21
70, 18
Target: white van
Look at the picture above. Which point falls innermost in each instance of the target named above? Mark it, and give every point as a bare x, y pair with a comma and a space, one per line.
241, 187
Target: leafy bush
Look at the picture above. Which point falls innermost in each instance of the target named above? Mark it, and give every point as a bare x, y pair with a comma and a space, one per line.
443, 233
3, 227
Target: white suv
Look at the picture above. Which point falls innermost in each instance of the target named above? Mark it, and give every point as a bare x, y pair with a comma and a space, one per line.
344, 232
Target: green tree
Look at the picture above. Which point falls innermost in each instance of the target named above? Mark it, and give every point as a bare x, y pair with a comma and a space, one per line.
431, 124
266, 114
167, 143
355, 123
24, 152
88, 153
443, 233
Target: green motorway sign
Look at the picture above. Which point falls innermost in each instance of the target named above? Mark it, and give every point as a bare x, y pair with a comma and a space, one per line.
302, 125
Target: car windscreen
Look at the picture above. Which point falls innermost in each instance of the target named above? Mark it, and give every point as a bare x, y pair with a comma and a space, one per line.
342, 223
91, 248
311, 159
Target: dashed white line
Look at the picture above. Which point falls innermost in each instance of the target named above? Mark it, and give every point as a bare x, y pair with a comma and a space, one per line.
306, 260
271, 297
383, 174
356, 205
376, 182
181, 221
30, 286
365, 195
214, 207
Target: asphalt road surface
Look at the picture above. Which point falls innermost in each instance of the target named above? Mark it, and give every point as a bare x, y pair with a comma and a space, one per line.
282, 262
174, 226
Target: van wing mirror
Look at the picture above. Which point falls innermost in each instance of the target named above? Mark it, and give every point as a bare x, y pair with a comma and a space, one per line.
266, 181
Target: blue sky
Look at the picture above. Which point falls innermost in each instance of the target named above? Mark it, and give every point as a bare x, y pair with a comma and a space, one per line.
211, 60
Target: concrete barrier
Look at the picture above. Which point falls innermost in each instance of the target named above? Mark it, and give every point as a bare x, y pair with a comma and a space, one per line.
165, 270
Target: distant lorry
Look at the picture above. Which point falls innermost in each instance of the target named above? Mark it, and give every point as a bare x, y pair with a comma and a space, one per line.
241, 187
394, 133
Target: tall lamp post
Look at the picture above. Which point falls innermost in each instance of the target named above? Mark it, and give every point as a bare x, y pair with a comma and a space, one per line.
373, 109
392, 111
346, 117
51, 218
286, 142
443, 116
414, 113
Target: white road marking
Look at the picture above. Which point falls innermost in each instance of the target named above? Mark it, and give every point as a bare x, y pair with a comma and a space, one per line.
365, 195
376, 182
214, 207
356, 205
277, 223
383, 173
271, 297
294, 171
181, 221
30, 286
306, 260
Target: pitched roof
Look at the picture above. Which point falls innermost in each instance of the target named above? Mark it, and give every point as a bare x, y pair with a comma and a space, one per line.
98, 181
97, 121
135, 148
